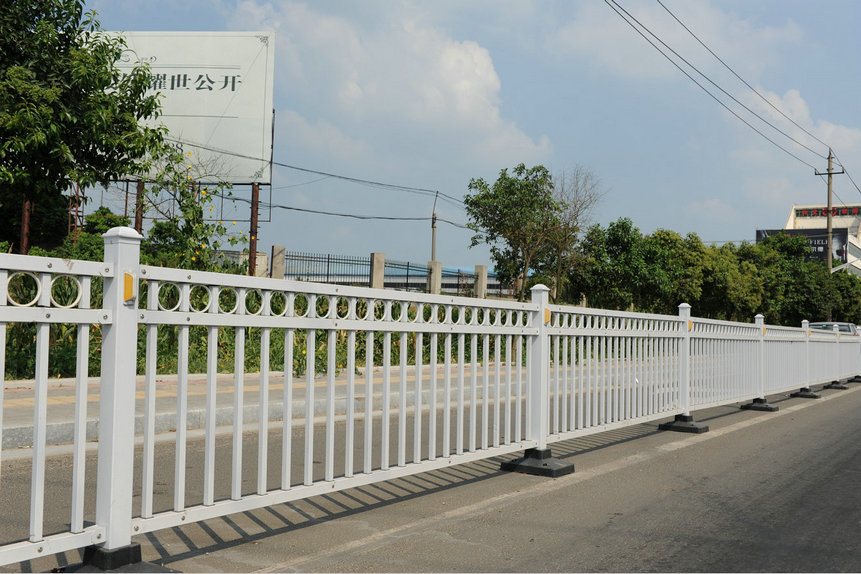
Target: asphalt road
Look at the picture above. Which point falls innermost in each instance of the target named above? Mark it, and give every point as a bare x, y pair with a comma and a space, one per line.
759, 492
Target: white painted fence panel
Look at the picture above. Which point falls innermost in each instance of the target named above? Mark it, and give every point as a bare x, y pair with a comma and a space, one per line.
398, 382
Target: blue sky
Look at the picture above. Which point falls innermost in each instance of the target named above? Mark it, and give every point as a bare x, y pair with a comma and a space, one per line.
432, 94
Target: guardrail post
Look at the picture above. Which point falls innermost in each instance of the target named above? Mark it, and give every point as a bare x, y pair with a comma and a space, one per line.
805, 392
760, 404
836, 384
685, 422
539, 460
117, 403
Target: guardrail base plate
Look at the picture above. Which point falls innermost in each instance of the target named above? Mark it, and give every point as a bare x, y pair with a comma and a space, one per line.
538, 461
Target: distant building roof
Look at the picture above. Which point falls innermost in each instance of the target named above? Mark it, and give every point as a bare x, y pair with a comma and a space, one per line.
842, 216
815, 217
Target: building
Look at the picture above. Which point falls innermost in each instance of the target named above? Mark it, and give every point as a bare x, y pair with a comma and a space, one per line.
812, 221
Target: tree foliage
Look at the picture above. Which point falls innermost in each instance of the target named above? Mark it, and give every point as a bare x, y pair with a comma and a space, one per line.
513, 217
625, 269
67, 113
188, 236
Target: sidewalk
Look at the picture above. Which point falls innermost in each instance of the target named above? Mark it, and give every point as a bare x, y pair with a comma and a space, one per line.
18, 401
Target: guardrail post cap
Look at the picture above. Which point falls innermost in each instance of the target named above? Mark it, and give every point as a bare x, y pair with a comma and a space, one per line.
120, 233
540, 287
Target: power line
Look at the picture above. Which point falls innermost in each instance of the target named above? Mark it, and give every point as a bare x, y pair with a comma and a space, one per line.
619, 9
409, 189
336, 214
755, 91
742, 80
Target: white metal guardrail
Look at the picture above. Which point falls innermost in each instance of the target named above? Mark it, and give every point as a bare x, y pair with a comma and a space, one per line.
398, 383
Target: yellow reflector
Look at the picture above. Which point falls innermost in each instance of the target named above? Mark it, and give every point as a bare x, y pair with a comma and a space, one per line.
128, 286
547, 315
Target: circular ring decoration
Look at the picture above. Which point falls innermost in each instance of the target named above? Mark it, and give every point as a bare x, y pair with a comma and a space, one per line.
278, 300
228, 291
259, 303
206, 291
164, 286
77, 300
38, 289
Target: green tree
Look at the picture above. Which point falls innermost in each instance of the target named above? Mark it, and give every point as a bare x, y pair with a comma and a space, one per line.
794, 288
513, 217
67, 113
615, 268
732, 288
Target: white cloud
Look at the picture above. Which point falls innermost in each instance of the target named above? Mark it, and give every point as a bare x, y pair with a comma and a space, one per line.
598, 34
322, 136
391, 72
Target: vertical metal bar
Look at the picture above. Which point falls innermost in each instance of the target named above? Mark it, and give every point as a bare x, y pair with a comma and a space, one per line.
508, 391
582, 389
592, 345
528, 388
148, 462
387, 393
473, 390
485, 390
310, 365
80, 439
563, 397
181, 404
40, 424
554, 367
572, 397
369, 395
496, 385
351, 396
211, 376
287, 405
402, 398
518, 404
329, 474
417, 418
263, 405
238, 400
4, 298
616, 378
432, 410
461, 340
446, 407
605, 388
629, 376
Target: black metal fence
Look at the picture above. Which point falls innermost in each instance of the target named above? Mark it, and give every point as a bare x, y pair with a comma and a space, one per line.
326, 268
400, 275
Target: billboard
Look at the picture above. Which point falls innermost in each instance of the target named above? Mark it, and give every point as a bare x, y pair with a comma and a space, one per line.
216, 96
818, 240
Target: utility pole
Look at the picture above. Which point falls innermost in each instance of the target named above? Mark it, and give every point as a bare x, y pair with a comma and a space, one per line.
830, 172
139, 207
26, 211
252, 237
433, 229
